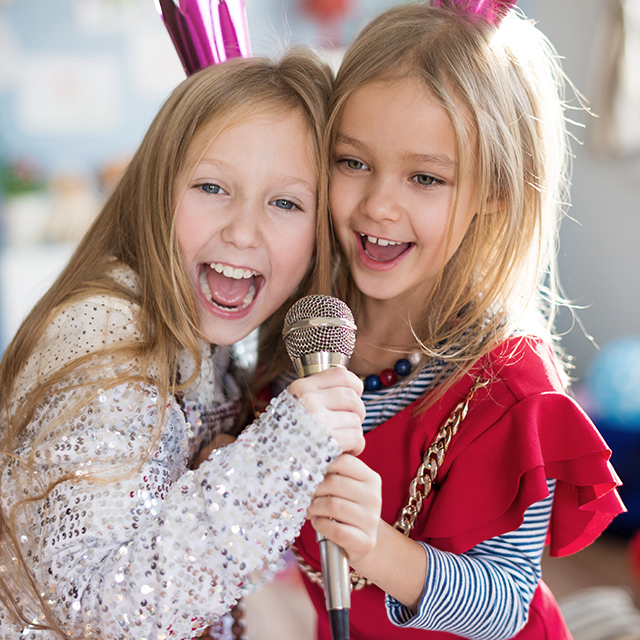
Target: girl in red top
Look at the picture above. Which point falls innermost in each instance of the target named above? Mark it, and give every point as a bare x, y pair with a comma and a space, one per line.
449, 153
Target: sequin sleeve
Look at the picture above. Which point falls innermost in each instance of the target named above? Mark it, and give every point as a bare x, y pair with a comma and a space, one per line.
134, 545
153, 554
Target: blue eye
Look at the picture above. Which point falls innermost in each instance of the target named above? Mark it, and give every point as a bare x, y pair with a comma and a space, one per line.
284, 204
212, 188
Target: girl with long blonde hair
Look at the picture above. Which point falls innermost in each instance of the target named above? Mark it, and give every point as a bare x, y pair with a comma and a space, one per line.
122, 373
448, 181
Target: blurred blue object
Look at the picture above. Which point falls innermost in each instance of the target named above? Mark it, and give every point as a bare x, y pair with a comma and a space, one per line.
612, 399
613, 383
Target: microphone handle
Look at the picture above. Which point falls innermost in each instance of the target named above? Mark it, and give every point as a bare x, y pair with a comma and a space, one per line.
337, 590
333, 558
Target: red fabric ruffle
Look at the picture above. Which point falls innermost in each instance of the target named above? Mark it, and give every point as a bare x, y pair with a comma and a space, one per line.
520, 430
532, 432
544, 436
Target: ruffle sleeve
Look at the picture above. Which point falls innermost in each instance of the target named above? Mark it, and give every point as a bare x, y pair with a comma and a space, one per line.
502, 467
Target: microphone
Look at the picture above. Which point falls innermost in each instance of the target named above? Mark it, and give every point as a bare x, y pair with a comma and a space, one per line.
320, 333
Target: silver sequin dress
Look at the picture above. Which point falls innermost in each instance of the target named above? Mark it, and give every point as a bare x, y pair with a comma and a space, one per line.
152, 550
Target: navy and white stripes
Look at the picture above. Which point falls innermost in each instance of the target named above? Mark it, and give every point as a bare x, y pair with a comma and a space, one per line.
384, 404
485, 593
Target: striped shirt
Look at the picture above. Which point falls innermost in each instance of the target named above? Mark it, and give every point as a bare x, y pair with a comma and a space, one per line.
485, 593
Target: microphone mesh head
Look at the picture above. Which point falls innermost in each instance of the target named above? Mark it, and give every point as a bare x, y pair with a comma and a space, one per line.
313, 339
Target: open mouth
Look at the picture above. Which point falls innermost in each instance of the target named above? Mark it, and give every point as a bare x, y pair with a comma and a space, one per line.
382, 250
229, 288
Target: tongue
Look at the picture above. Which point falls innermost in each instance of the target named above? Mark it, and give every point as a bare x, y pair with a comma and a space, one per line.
227, 292
385, 254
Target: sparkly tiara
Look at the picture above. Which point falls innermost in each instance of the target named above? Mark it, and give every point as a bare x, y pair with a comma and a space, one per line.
206, 32
492, 11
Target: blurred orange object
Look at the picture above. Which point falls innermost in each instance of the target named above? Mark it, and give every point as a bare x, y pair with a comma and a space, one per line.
326, 10
110, 174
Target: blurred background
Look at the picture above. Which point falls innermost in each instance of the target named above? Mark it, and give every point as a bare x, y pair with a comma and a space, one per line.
80, 81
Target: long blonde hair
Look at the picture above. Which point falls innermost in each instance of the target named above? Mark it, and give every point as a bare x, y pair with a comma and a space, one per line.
136, 228
508, 78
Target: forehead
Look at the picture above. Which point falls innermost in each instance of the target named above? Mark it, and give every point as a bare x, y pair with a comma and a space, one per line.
291, 120
266, 150
409, 107
413, 92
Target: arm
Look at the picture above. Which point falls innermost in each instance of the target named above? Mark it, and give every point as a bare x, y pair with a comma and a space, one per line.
119, 536
483, 594
504, 572
150, 549
346, 510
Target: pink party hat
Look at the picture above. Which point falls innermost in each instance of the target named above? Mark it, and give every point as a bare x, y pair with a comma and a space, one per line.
206, 32
492, 11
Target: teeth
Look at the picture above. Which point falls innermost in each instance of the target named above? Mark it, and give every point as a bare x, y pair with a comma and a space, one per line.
248, 299
380, 241
230, 272
204, 285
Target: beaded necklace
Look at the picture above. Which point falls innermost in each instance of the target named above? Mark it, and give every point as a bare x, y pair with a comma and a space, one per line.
388, 377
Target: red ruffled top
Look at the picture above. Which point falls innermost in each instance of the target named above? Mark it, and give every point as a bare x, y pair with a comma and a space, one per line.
521, 429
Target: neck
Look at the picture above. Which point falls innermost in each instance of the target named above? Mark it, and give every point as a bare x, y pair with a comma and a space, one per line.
384, 336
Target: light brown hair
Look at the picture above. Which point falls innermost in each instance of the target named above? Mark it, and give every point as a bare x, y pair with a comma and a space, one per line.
509, 81
136, 228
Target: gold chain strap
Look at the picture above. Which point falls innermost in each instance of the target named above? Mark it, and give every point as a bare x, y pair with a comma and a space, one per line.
420, 486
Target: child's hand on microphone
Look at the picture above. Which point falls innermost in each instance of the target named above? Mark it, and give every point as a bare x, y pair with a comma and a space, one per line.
333, 396
346, 507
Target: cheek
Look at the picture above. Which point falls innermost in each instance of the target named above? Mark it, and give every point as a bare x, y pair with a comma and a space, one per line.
461, 225
294, 257
185, 235
303, 250
340, 203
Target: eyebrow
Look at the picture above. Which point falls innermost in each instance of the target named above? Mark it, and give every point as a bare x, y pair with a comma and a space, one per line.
287, 180
214, 163
432, 158
292, 180
341, 138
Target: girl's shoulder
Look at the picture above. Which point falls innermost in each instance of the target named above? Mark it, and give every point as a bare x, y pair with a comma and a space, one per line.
108, 316
98, 319
92, 323
85, 327
527, 365
81, 327
523, 429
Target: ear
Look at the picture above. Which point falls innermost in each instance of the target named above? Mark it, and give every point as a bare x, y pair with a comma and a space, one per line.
494, 204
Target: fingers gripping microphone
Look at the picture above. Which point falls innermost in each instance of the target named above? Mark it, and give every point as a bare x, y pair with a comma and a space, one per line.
320, 333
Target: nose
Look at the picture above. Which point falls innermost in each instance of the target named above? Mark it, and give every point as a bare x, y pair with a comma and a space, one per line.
381, 200
242, 227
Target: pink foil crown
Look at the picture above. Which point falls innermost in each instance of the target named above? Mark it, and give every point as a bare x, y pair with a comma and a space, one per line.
206, 32
492, 11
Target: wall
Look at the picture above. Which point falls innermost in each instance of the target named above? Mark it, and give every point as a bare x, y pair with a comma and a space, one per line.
599, 259
130, 55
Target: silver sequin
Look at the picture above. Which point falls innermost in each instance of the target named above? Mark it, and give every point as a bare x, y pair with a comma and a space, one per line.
153, 550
